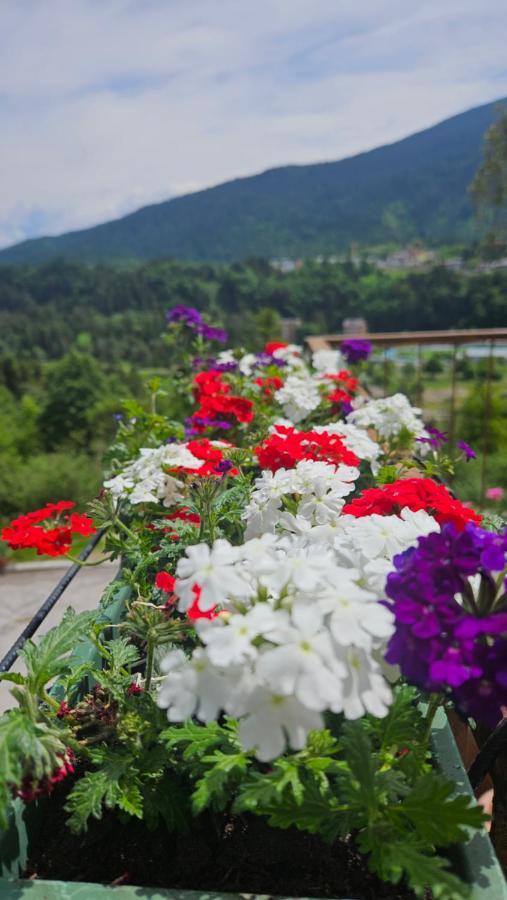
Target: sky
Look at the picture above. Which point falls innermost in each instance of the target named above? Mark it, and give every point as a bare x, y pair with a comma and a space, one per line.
109, 105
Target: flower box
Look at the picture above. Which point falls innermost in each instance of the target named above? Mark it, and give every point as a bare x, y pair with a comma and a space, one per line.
274, 602
475, 862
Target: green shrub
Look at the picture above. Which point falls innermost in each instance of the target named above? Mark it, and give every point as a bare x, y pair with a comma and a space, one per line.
46, 477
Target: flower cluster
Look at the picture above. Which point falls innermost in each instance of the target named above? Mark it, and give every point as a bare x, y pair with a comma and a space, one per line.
32, 789
217, 406
153, 476
49, 530
287, 446
299, 397
448, 597
389, 416
314, 490
355, 349
296, 637
191, 318
414, 493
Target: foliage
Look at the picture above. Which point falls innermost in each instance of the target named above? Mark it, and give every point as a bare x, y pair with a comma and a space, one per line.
347, 779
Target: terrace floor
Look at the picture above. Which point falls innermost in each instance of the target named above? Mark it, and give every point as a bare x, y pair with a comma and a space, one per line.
24, 588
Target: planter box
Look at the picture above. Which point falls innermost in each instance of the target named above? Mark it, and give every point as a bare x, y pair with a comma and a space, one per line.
475, 862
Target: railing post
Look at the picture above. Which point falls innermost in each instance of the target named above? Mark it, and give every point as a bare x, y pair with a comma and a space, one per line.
452, 415
487, 417
420, 392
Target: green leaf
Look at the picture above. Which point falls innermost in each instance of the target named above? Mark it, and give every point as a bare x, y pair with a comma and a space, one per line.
439, 817
422, 871
14, 677
361, 760
199, 739
167, 798
51, 656
215, 786
117, 783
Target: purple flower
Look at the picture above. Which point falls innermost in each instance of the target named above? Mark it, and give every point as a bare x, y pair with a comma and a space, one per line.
225, 465
466, 450
210, 333
436, 438
118, 417
189, 315
450, 633
263, 360
355, 349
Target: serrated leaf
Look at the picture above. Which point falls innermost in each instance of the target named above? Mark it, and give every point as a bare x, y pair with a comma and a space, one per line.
287, 776
423, 871
115, 784
199, 739
214, 787
439, 817
50, 656
167, 799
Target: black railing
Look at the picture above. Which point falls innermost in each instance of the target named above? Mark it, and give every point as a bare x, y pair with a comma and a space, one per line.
12, 654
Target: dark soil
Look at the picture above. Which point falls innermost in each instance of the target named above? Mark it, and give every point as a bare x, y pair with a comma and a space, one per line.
221, 854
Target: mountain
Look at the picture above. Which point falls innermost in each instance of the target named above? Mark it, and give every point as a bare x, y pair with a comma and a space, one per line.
414, 188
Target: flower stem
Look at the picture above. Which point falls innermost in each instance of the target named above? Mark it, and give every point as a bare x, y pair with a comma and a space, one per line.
434, 702
126, 529
150, 653
80, 562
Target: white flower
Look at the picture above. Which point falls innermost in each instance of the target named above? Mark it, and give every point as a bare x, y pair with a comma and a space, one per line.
193, 687
213, 570
270, 721
299, 397
364, 690
388, 416
145, 480
327, 362
356, 618
229, 641
300, 568
303, 665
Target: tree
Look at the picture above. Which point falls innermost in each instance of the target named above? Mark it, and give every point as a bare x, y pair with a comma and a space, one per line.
75, 385
489, 187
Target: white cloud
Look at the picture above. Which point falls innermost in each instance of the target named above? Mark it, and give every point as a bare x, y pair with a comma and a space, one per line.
107, 105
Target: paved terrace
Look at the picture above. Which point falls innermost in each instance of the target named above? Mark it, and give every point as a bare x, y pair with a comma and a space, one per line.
23, 589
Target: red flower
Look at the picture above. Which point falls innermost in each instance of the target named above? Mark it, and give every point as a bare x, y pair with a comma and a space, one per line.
274, 345
47, 530
416, 493
216, 402
270, 384
286, 447
31, 789
167, 582
184, 515
210, 383
194, 611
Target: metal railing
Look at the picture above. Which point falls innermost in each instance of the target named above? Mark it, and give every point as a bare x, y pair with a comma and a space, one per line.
12, 654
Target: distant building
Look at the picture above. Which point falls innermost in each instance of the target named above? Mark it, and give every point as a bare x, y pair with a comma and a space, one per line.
408, 258
285, 266
290, 328
355, 326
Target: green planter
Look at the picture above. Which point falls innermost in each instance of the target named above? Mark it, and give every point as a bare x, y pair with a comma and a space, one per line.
475, 862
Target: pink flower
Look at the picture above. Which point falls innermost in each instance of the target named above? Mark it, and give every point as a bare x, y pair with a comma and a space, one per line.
495, 493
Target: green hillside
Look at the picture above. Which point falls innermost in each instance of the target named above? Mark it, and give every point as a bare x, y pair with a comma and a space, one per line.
415, 188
